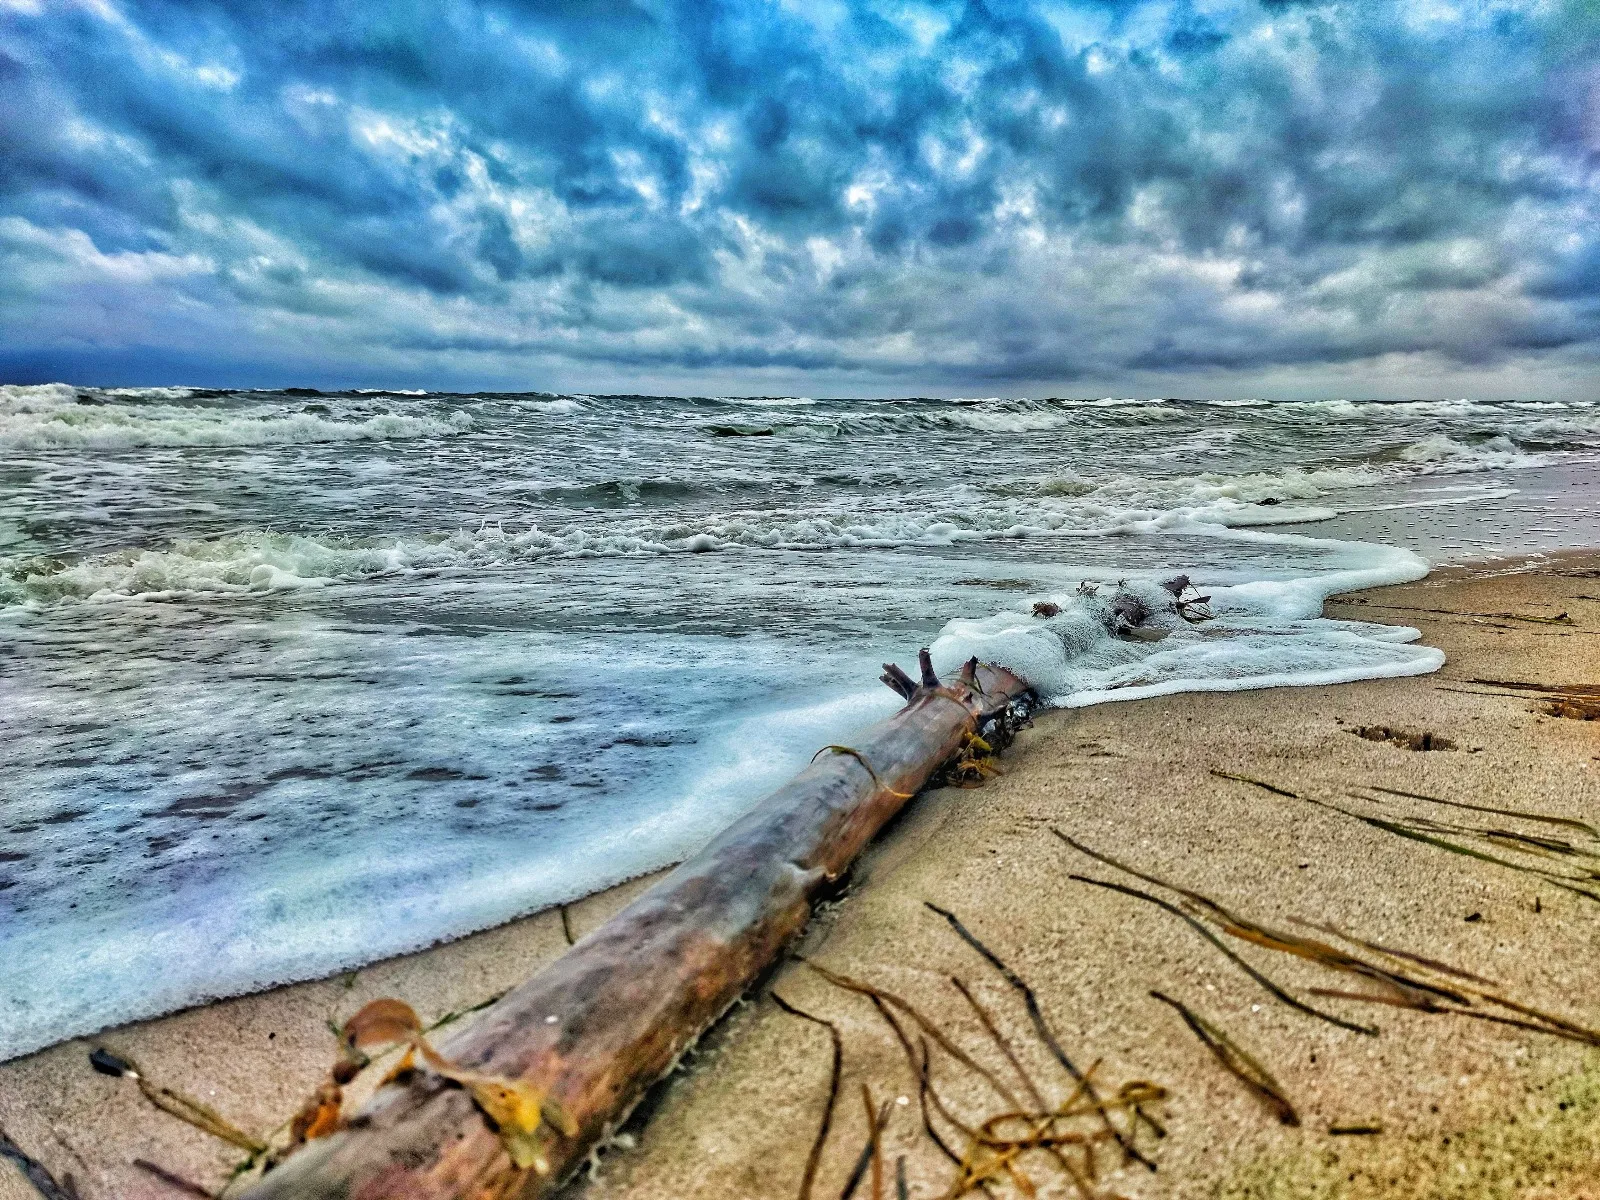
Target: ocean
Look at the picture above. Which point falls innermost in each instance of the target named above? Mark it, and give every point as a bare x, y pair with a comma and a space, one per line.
291, 681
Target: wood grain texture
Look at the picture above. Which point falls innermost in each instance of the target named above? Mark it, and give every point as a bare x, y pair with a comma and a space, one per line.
601, 1024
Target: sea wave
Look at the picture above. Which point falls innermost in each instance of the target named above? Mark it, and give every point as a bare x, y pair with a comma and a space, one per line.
644, 517
766, 401
263, 561
553, 405
1440, 453
988, 416
104, 429
1547, 426
58, 416
36, 397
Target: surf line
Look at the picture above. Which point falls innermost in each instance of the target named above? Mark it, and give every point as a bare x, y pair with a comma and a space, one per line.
593, 1030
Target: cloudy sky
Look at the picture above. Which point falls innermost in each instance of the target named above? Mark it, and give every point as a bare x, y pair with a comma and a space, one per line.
1189, 197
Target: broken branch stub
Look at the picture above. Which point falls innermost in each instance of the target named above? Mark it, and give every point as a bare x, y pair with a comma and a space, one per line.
594, 1029
908, 688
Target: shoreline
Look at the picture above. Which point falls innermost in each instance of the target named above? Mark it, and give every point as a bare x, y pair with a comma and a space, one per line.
257, 1057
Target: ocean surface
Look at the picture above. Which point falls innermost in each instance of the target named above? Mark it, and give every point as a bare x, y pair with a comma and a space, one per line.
292, 681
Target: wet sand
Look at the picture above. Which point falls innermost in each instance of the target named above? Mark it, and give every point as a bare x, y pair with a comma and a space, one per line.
1463, 1107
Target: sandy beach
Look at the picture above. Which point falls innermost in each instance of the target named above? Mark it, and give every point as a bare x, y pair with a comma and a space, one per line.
1435, 1104
469, 469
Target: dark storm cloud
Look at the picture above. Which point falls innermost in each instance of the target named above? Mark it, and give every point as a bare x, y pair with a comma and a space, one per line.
934, 193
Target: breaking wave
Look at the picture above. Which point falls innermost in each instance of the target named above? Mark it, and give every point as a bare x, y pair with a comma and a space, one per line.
56, 416
626, 522
1444, 454
258, 561
1527, 427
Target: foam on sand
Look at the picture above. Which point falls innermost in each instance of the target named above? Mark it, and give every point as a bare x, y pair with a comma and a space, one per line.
1265, 633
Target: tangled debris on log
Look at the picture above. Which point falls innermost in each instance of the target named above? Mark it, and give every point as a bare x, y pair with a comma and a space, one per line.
1130, 612
592, 1031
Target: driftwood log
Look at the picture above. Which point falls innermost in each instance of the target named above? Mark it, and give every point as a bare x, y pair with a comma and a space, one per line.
601, 1024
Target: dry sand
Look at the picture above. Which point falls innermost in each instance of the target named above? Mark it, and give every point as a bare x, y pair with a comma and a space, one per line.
1466, 1108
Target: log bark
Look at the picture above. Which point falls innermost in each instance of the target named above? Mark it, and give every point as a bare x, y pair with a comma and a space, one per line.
601, 1024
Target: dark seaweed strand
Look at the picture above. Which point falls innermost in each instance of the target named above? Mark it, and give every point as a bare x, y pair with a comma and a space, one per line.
919, 1068
999, 1040
1286, 943
1542, 1022
1271, 787
864, 1159
809, 1178
1016, 981
1527, 843
878, 1124
938, 1035
1564, 882
1563, 822
925, 1086
1223, 1048
1198, 927
1432, 964
1278, 992
1004, 1046
34, 1171
1046, 1034
1557, 1031
1101, 856
176, 1182
1568, 1029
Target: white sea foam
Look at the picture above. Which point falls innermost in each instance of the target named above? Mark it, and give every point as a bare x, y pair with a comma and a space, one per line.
36, 397
562, 404
1265, 633
30, 425
338, 883
767, 401
990, 416
1580, 430
256, 561
151, 393
1441, 453
251, 561
1473, 425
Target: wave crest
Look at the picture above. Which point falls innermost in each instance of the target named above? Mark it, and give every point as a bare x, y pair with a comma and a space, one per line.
1440, 453
58, 416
